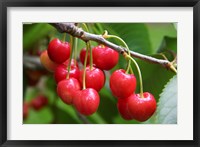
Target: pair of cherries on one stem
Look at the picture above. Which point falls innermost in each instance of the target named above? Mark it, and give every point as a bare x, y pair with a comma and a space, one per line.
86, 101
130, 105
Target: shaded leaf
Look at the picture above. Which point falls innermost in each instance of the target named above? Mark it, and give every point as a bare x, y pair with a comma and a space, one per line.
167, 105
42, 116
157, 32
34, 32
135, 35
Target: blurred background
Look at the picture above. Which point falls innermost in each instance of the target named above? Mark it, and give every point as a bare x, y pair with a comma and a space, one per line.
40, 101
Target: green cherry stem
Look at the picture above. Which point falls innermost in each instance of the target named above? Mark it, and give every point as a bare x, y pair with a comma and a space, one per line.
64, 37
125, 45
89, 47
70, 58
91, 58
139, 73
75, 49
84, 66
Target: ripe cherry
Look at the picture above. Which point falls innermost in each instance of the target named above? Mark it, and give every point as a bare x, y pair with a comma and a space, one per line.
47, 62
67, 88
122, 106
104, 57
58, 51
95, 78
62, 70
87, 101
141, 109
122, 85
82, 56
25, 110
39, 102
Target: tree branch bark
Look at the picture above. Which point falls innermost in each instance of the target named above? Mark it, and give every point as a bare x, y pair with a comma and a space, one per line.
73, 30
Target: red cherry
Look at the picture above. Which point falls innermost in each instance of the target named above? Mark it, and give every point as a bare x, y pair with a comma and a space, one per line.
87, 101
95, 78
82, 56
104, 57
122, 85
58, 51
61, 72
25, 110
39, 102
46, 62
141, 109
67, 88
122, 106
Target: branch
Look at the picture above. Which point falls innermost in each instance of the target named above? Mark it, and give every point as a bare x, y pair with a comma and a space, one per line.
73, 30
32, 62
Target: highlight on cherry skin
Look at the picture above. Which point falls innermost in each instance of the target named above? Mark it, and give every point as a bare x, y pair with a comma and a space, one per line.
87, 101
122, 85
95, 78
58, 51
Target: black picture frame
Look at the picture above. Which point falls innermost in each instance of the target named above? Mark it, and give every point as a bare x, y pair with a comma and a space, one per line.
4, 4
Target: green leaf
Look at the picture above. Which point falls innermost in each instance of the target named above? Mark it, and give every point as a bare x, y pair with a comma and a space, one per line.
157, 31
42, 116
167, 105
107, 108
168, 43
34, 32
134, 34
71, 115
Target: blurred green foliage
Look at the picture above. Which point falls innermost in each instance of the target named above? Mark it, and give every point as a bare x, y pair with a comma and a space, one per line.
146, 38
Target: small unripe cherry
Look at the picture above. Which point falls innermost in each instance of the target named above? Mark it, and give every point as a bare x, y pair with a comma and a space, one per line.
104, 57
46, 62
94, 78
141, 109
87, 101
67, 88
58, 51
122, 85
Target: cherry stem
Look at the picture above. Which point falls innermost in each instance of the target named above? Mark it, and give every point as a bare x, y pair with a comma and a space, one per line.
171, 63
139, 73
75, 49
84, 66
89, 47
91, 58
64, 37
125, 45
131, 70
70, 58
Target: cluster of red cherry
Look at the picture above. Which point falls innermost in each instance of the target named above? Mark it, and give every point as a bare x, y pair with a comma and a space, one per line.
81, 87
37, 103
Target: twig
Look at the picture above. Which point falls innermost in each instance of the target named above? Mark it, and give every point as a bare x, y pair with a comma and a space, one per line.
72, 29
32, 62
83, 118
